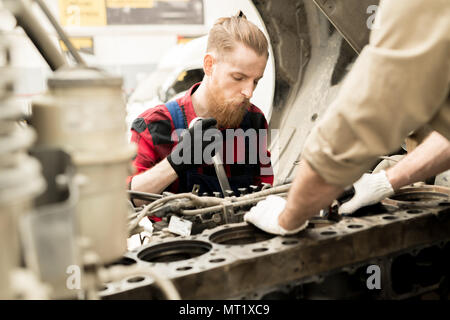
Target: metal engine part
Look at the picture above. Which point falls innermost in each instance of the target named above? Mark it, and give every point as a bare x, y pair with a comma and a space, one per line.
329, 260
48, 231
20, 176
203, 212
82, 113
70, 116
418, 197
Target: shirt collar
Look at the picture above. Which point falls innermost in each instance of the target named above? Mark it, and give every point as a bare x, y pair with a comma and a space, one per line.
186, 101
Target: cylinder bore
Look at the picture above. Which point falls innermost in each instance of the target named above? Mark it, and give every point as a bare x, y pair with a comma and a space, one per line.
423, 196
419, 196
174, 251
240, 235
124, 261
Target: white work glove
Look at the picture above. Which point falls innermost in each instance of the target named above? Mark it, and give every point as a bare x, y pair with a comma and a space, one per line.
134, 241
369, 189
265, 216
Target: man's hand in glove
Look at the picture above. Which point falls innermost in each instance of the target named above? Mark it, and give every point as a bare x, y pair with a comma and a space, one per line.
265, 216
192, 142
369, 189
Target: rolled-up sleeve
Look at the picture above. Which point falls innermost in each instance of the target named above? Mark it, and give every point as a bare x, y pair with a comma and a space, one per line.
399, 83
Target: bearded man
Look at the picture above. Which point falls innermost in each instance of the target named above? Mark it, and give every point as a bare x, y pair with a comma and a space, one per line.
235, 61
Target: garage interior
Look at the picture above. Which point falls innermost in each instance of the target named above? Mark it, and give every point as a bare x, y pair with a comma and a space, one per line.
65, 211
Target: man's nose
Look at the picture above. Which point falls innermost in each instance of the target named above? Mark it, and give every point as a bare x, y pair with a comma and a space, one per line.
247, 91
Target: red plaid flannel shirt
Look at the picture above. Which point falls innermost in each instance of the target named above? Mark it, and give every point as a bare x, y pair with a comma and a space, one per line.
152, 132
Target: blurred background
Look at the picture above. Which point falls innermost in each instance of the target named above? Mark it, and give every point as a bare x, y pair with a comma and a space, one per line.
147, 42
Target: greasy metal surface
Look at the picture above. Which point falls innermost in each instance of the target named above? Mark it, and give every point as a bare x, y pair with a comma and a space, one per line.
239, 235
174, 251
351, 18
423, 196
286, 24
310, 61
230, 270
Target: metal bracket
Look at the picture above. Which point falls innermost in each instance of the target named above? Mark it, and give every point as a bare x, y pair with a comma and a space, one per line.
228, 212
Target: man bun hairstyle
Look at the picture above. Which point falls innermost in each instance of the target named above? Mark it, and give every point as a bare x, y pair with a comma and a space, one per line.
228, 31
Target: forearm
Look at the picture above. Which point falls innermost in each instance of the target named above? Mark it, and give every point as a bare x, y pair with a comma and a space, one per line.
429, 158
308, 195
154, 180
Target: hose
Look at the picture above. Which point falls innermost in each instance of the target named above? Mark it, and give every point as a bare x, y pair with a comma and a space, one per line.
274, 190
200, 201
211, 203
220, 207
144, 195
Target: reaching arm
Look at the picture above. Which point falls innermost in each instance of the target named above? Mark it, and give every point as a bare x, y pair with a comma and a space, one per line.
430, 158
154, 180
308, 195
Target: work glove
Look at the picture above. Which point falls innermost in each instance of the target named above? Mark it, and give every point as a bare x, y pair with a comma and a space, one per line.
265, 216
369, 189
182, 156
142, 238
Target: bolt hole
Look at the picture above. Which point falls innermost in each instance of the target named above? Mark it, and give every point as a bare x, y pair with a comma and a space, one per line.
289, 242
389, 217
314, 117
217, 260
328, 233
354, 226
414, 211
135, 279
184, 268
260, 249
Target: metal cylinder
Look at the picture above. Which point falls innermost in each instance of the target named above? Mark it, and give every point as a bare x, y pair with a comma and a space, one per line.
84, 113
48, 232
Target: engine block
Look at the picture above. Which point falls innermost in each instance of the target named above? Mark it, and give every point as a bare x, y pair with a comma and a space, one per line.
407, 238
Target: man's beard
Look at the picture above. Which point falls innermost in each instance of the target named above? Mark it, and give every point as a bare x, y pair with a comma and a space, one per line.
228, 113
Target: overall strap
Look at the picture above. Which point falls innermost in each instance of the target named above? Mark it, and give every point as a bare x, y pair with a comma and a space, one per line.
178, 115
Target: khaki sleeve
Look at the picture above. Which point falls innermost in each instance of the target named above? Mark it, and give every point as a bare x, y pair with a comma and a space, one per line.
398, 84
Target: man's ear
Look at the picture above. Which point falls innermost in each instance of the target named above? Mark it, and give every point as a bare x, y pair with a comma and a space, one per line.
208, 63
